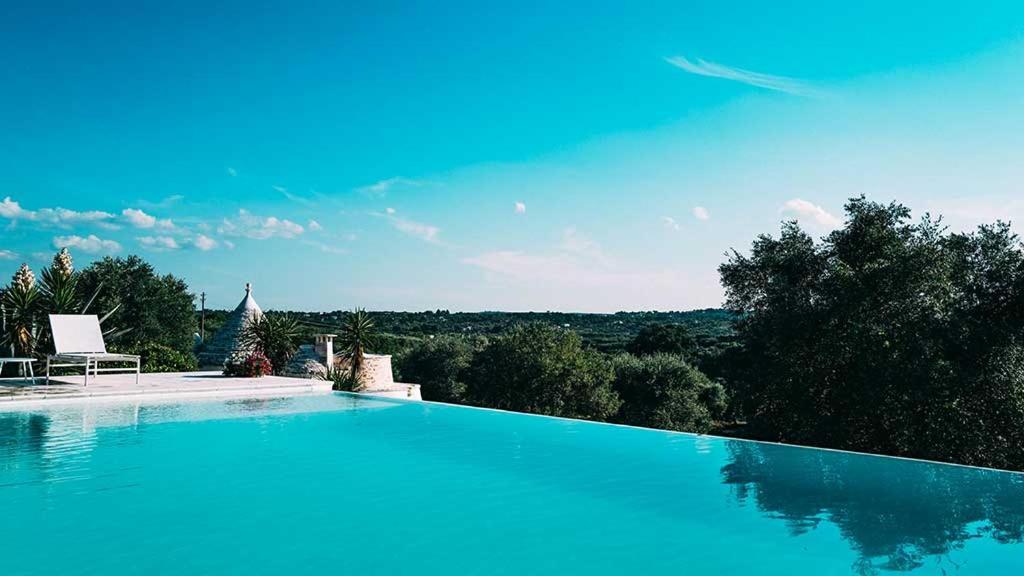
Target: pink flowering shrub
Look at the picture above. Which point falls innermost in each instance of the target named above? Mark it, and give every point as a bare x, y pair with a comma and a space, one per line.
254, 365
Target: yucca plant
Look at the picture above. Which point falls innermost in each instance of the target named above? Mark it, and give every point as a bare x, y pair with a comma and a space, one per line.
357, 336
342, 380
275, 336
21, 309
59, 286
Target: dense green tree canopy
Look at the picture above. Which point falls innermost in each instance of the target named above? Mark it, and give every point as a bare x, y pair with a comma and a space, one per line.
888, 335
439, 365
664, 338
544, 370
152, 308
663, 391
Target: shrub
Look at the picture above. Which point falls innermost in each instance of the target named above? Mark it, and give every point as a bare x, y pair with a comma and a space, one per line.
254, 365
664, 338
663, 391
439, 366
544, 370
160, 358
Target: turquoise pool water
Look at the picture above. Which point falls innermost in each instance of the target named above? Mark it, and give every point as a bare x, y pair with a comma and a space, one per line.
339, 485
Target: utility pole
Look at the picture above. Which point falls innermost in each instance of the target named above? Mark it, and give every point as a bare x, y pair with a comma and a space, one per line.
202, 318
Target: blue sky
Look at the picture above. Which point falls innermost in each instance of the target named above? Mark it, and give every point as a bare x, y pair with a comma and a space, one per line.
515, 156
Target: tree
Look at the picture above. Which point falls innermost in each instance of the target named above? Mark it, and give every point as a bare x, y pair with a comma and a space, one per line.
276, 336
150, 307
357, 336
439, 365
543, 370
664, 338
887, 336
663, 391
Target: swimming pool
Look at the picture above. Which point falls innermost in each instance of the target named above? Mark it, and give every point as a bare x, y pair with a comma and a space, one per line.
336, 484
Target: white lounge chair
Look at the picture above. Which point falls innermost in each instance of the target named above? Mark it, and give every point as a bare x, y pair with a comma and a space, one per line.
78, 341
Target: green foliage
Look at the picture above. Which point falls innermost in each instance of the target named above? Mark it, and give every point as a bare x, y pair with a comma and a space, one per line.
356, 337
275, 336
59, 286
887, 336
611, 333
664, 338
663, 391
439, 365
21, 308
151, 308
394, 344
159, 358
544, 370
341, 380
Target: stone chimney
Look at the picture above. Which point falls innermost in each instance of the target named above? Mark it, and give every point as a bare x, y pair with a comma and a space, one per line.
324, 347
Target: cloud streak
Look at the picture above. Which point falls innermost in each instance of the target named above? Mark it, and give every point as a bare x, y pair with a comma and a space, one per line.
805, 211
382, 187
702, 67
426, 232
249, 225
60, 217
90, 244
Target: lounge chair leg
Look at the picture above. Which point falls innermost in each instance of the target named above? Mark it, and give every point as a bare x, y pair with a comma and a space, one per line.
86, 372
31, 373
47, 370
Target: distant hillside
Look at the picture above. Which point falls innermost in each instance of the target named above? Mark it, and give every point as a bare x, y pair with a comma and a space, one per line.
606, 332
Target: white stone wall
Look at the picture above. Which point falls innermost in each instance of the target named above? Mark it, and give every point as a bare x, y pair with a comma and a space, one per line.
377, 373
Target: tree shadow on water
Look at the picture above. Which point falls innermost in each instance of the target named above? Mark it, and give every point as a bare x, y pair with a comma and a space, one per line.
896, 514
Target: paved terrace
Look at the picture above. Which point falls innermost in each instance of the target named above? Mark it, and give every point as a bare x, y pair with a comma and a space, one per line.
177, 383
211, 383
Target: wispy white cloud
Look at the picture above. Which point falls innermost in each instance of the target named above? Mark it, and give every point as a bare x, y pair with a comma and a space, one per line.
711, 69
205, 243
325, 247
670, 223
140, 219
382, 187
60, 217
808, 212
314, 226
249, 225
90, 244
298, 199
701, 213
158, 243
574, 268
520, 208
576, 243
425, 232
422, 231
8, 255
162, 204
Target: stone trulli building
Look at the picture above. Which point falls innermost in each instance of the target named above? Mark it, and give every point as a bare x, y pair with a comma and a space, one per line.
227, 340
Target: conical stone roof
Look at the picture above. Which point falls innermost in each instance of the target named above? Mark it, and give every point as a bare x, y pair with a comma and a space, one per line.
227, 340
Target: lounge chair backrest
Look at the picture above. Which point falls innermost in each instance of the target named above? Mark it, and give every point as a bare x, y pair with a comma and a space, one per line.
77, 334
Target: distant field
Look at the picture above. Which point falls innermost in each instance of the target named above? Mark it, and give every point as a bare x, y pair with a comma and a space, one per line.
606, 332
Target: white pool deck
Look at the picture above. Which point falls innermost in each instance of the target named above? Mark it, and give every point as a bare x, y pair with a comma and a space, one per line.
170, 384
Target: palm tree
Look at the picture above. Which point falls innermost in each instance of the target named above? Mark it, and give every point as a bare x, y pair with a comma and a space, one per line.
357, 336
